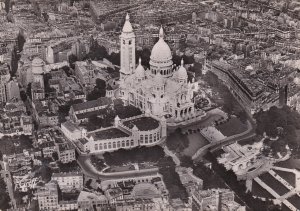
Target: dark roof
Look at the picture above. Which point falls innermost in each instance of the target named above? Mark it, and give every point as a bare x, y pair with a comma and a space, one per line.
93, 103
47, 144
110, 133
91, 113
65, 146
83, 141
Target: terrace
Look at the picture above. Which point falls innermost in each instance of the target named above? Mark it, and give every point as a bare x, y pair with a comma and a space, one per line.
110, 133
273, 183
142, 123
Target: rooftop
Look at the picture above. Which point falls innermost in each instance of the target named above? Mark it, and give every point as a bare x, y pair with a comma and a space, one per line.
92, 104
67, 174
110, 133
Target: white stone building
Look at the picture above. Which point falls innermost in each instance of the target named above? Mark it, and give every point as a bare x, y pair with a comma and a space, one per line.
164, 89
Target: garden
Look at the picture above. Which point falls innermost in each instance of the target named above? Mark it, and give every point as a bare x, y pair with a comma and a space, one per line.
15, 144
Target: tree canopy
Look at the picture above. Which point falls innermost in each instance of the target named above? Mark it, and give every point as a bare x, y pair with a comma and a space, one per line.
275, 118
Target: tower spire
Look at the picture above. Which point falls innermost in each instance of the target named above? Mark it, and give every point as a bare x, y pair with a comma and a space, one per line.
127, 17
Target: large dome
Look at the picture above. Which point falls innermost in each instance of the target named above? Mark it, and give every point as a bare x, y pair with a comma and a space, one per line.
161, 51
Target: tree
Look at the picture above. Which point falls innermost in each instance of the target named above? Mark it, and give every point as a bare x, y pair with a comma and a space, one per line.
97, 52
7, 6
242, 115
23, 95
55, 156
21, 41
186, 161
98, 91
15, 57
177, 141
28, 91
115, 58
72, 59
4, 197
45, 16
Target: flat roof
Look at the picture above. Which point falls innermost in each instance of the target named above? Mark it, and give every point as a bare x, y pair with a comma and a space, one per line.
109, 133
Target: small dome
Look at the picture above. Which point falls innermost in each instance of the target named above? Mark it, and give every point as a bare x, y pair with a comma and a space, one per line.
161, 51
37, 65
182, 74
140, 71
127, 28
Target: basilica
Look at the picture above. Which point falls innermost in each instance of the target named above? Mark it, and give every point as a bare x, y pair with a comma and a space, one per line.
163, 90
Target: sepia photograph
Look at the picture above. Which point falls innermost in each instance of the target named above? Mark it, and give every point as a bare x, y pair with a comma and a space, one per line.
149, 105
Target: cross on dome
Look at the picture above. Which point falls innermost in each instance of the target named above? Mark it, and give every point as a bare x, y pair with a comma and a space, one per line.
127, 17
140, 61
182, 62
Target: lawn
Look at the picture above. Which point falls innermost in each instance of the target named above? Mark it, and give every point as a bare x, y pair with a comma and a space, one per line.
295, 200
120, 168
277, 186
97, 162
232, 127
287, 176
257, 190
196, 141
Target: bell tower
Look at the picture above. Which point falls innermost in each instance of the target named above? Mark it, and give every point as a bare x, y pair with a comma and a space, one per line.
127, 52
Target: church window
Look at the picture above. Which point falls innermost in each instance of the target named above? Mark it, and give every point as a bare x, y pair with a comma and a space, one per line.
114, 144
118, 144
105, 146
142, 137
127, 143
154, 137
132, 142
150, 138
109, 145
96, 146
123, 143
129, 42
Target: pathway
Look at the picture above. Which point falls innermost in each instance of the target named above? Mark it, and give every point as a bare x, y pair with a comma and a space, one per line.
213, 146
90, 171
